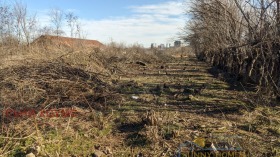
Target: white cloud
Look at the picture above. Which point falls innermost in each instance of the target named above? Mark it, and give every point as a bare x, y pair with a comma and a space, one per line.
147, 24
168, 8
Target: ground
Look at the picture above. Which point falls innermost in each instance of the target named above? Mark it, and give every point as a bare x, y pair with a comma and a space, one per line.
149, 110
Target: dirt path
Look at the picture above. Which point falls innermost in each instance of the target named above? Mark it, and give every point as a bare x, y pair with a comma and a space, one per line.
184, 85
166, 104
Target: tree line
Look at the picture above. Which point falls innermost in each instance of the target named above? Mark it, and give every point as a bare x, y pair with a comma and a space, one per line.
18, 26
241, 37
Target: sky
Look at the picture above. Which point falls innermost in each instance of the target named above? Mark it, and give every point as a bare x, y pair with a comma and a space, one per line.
124, 21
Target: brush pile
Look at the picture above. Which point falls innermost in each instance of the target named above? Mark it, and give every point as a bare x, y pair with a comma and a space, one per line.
56, 83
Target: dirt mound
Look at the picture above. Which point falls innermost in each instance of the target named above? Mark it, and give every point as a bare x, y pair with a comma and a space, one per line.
50, 83
48, 40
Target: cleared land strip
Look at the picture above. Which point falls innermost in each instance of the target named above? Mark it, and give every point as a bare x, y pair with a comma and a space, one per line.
148, 110
186, 99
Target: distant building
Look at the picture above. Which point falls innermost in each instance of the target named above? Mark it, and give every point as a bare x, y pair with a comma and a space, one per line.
153, 45
161, 46
168, 45
177, 43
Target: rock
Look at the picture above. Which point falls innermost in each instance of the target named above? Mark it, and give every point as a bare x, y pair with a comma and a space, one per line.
30, 155
98, 153
135, 97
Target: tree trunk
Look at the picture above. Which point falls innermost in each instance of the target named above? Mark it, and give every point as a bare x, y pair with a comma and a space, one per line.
278, 16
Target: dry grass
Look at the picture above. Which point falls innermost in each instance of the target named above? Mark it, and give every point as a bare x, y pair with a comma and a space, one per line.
99, 83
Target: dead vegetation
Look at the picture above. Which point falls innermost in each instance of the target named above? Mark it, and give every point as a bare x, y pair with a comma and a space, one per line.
133, 101
129, 100
241, 38
43, 83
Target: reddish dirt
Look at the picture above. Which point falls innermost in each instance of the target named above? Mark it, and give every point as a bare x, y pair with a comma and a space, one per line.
66, 41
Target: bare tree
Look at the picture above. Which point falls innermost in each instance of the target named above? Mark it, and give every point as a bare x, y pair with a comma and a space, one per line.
25, 26
46, 30
71, 22
278, 16
78, 30
56, 16
6, 23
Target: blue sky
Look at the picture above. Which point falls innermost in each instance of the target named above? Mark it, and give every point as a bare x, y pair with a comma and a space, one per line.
96, 9
128, 21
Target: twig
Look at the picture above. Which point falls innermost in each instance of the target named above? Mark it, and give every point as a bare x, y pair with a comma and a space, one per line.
18, 138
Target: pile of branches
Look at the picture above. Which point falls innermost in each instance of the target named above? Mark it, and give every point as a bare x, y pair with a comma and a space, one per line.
55, 83
241, 38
